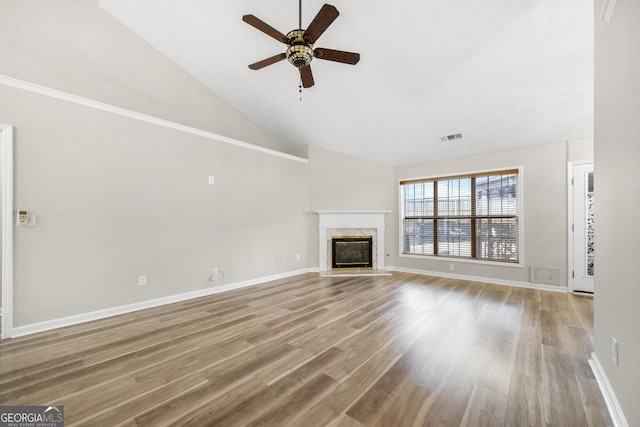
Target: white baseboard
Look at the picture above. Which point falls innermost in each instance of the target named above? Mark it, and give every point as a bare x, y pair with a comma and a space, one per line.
114, 311
610, 399
481, 279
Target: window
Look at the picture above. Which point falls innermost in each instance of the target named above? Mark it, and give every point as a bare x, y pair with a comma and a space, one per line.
471, 216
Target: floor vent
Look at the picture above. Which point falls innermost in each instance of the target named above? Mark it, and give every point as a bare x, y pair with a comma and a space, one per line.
544, 276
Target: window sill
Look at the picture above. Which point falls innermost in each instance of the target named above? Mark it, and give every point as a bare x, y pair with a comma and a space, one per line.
464, 260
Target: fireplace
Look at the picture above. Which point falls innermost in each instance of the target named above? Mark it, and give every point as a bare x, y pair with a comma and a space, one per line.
360, 234
352, 252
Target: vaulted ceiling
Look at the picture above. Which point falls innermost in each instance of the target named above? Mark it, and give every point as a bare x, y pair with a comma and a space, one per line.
504, 73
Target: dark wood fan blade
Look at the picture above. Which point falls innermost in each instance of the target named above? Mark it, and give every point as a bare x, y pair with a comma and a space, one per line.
265, 28
337, 55
306, 76
320, 23
268, 61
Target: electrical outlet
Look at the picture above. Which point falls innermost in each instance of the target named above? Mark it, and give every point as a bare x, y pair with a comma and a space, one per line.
142, 280
615, 355
452, 267
217, 277
298, 257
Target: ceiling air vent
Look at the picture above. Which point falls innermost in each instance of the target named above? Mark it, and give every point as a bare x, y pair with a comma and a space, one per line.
451, 137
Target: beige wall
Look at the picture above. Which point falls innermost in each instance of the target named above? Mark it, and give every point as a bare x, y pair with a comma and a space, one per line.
544, 214
1, 207
117, 198
76, 47
617, 186
580, 150
341, 182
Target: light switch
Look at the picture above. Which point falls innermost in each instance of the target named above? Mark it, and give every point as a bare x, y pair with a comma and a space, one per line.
212, 180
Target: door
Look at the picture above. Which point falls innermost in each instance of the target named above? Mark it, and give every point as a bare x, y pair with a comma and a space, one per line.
583, 228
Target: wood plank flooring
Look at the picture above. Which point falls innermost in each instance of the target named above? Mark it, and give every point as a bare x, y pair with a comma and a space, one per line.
403, 350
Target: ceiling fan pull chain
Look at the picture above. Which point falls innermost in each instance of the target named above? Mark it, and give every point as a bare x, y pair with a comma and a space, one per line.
300, 90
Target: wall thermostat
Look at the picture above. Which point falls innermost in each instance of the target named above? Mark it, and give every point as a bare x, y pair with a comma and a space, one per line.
26, 218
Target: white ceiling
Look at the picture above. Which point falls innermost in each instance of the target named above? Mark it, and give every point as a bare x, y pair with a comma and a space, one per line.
504, 73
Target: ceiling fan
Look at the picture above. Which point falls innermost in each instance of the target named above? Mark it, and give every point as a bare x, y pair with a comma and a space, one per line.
301, 51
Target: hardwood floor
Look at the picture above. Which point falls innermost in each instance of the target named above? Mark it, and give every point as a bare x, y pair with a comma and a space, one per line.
403, 350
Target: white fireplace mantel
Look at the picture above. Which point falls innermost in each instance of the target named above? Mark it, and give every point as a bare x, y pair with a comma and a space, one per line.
353, 220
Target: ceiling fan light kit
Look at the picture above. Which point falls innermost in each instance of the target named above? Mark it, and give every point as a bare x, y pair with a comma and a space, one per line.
300, 52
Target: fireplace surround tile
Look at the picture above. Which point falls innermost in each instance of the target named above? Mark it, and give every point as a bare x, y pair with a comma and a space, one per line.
351, 223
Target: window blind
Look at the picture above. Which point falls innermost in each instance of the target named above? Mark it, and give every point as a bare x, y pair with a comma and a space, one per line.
471, 216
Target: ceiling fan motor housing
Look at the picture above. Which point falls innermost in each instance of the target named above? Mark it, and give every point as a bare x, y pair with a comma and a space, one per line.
299, 52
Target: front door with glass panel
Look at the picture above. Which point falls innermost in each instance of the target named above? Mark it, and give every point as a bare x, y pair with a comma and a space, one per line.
583, 228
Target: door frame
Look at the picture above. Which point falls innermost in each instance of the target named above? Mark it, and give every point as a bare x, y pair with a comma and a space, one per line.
570, 220
6, 142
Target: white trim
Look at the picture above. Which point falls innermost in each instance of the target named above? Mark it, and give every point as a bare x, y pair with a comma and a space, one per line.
453, 175
570, 231
328, 220
64, 96
610, 399
444, 258
352, 213
114, 311
521, 222
6, 139
491, 280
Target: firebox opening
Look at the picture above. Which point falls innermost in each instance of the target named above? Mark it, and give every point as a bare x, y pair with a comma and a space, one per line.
352, 252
